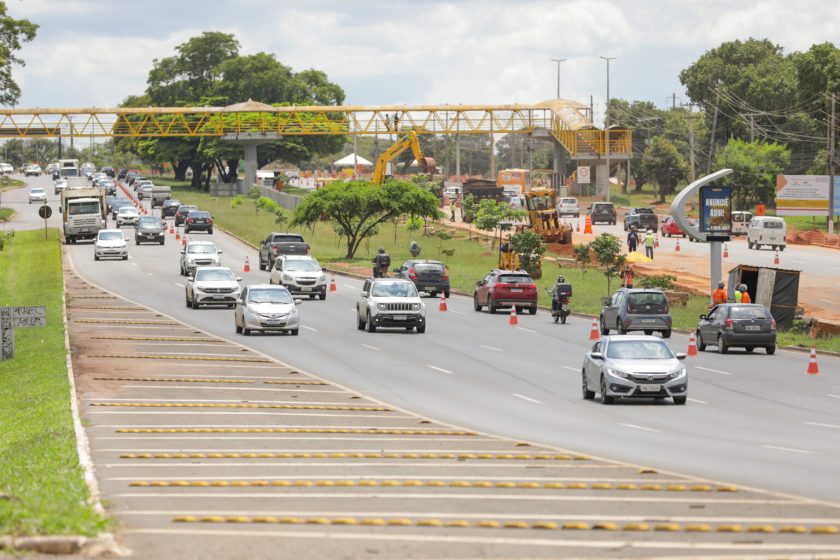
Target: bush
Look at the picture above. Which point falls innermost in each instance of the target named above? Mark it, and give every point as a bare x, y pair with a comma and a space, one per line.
661, 281
5, 237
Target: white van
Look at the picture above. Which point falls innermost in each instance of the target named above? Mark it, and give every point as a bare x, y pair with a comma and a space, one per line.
767, 230
741, 222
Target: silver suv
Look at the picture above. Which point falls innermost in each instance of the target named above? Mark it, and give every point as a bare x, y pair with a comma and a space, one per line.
636, 310
199, 253
301, 274
390, 302
212, 285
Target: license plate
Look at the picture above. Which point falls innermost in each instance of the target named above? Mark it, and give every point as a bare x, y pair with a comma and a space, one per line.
218, 297
85, 229
274, 323
306, 289
753, 328
650, 388
400, 317
516, 290
646, 321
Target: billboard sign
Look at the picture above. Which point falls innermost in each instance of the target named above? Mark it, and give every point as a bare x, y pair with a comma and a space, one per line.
716, 212
802, 195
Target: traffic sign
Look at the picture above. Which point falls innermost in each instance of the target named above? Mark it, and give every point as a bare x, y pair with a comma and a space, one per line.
45, 211
12, 318
583, 175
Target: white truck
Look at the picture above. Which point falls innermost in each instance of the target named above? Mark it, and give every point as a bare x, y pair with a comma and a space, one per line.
83, 213
68, 167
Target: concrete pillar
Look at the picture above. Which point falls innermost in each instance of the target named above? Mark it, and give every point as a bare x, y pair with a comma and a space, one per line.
601, 178
250, 163
557, 180
458, 157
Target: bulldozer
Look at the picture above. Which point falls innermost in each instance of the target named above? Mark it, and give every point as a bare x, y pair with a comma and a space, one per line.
410, 140
541, 205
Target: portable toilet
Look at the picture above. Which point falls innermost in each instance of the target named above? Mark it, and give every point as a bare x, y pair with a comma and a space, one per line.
777, 289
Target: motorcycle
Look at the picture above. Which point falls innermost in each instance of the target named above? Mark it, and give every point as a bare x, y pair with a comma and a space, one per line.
560, 308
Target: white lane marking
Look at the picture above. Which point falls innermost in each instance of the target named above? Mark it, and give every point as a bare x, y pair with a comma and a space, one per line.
149, 274
527, 330
698, 401
284, 438
179, 285
374, 348
636, 427
822, 425
308, 328
797, 261
215, 413
173, 387
457, 312
832, 396
791, 449
570, 368
348, 286
524, 398
439, 369
712, 370
133, 263
482, 540
831, 301
493, 348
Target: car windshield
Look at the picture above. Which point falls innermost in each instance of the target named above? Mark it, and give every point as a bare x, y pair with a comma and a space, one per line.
129, 210
639, 350
208, 249
150, 222
111, 236
751, 312
394, 289
301, 265
514, 279
37, 191
83, 208
269, 295
214, 275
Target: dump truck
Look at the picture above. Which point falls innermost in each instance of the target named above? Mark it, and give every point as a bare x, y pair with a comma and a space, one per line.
544, 219
82, 213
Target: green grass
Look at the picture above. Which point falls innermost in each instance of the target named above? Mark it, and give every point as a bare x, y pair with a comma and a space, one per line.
7, 182
40, 476
804, 341
6, 214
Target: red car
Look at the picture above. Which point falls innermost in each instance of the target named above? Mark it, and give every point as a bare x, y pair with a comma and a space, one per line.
506, 288
669, 227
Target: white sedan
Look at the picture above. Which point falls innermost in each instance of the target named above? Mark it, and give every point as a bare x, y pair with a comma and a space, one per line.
127, 215
38, 195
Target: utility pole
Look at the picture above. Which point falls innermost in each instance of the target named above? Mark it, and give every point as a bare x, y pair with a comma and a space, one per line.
607, 123
558, 61
831, 146
712, 136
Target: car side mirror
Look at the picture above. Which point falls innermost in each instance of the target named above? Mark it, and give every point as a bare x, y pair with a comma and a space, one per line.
680, 355
596, 356
606, 301
702, 317
323, 269
364, 294
298, 301
239, 279
480, 283
183, 252
219, 252
60, 210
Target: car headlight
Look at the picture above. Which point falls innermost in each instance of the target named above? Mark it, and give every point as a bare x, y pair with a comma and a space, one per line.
415, 306
618, 373
678, 373
322, 278
287, 277
381, 306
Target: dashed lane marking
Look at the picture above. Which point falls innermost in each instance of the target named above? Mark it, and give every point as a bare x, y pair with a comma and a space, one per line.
179, 285
570, 368
456, 312
833, 396
374, 348
527, 330
439, 369
637, 427
491, 348
149, 274
790, 449
524, 398
712, 370
349, 286
822, 425
308, 328
698, 401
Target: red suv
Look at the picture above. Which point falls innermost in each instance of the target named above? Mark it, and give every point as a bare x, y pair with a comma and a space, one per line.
506, 288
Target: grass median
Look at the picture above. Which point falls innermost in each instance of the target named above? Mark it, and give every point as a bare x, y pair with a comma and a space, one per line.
42, 489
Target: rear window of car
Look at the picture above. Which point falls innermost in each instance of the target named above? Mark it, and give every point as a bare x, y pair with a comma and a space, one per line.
187, 209
647, 298
568, 201
200, 214
773, 224
428, 267
750, 312
602, 207
644, 210
515, 279
286, 238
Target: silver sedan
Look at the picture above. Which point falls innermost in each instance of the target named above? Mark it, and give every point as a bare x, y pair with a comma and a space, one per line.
265, 307
630, 366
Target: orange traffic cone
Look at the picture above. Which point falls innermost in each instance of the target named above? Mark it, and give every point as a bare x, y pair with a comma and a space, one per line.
725, 251
332, 282
813, 367
594, 333
677, 248
443, 303
776, 258
177, 234
171, 229
513, 319
577, 226
184, 241
692, 346
656, 241
587, 226
247, 265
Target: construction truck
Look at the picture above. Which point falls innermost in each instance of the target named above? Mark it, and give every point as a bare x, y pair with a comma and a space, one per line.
543, 217
83, 213
410, 140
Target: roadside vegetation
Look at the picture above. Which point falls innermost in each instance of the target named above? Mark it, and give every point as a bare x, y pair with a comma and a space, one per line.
42, 489
6, 214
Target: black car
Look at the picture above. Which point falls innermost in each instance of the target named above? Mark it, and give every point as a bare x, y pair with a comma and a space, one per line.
602, 212
122, 173
108, 170
169, 208
150, 228
747, 326
198, 220
181, 213
431, 277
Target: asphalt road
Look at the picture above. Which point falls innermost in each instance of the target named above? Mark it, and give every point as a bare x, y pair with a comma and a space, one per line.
752, 419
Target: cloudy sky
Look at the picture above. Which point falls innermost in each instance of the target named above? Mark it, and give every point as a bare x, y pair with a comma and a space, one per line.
96, 52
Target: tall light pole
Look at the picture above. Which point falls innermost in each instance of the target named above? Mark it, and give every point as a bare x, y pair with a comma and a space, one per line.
558, 61
607, 122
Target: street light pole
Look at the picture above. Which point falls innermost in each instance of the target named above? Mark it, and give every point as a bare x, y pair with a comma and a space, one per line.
607, 122
558, 61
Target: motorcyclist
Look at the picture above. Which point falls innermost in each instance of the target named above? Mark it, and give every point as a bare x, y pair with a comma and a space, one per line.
556, 296
381, 263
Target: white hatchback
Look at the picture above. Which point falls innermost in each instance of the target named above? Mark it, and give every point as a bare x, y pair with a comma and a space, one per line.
568, 206
110, 243
127, 215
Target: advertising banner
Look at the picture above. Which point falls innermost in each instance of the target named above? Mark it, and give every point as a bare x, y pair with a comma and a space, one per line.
716, 211
802, 195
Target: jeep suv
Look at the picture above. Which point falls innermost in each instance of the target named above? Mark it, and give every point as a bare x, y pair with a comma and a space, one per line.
636, 310
506, 288
390, 302
602, 212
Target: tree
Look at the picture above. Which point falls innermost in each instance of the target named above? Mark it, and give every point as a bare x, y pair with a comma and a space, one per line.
530, 248
13, 32
665, 166
490, 214
358, 208
755, 166
607, 250
646, 122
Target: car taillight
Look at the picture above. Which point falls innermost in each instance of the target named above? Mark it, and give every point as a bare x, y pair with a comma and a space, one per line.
210, 221
275, 249
412, 274
729, 323
189, 220
308, 248
445, 274
531, 286
773, 324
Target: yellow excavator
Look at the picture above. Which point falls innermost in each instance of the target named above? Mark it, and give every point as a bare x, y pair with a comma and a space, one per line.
428, 165
541, 204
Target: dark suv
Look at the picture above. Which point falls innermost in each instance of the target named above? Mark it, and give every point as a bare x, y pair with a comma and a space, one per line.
735, 324
602, 212
642, 218
431, 277
198, 220
169, 208
506, 288
181, 213
636, 310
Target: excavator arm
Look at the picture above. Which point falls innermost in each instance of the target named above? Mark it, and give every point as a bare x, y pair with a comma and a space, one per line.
408, 141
